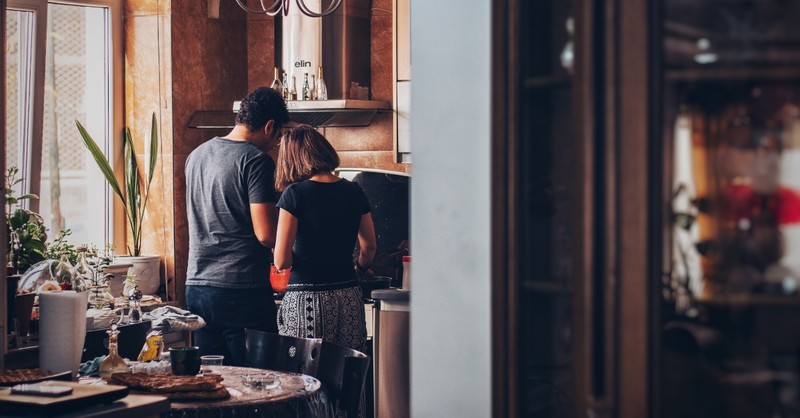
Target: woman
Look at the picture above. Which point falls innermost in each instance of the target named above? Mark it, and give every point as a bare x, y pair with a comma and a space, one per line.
320, 218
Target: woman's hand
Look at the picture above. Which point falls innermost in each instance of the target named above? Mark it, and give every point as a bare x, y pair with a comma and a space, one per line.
362, 273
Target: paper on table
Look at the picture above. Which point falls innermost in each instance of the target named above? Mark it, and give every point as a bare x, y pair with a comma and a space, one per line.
62, 330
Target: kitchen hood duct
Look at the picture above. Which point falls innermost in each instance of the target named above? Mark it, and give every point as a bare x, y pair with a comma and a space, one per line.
340, 42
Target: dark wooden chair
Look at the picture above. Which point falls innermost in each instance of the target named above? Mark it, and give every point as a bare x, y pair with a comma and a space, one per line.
267, 350
343, 372
129, 341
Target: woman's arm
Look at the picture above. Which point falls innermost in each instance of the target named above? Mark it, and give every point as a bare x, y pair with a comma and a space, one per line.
366, 241
287, 231
265, 219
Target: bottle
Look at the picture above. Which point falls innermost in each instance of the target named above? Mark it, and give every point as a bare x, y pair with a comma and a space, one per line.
293, 91
131, 284
152, 345
313, 92
113, 363
306, 89
84, 273
100, 296
285, 83
135, 312
276, 81
321, 90
406, 272
63, 272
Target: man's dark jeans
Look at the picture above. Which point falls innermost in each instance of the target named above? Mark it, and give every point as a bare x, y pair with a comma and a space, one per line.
227, 313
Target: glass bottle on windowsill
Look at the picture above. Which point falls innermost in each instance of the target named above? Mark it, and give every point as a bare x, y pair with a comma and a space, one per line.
113, 363
84, 273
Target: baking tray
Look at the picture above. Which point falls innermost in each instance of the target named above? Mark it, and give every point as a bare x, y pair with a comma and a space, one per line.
83, 396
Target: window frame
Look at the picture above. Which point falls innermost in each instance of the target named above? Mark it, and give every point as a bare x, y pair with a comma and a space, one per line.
110, 139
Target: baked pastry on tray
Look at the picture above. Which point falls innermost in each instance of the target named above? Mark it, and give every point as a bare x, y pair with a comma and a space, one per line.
173, 387
14, 376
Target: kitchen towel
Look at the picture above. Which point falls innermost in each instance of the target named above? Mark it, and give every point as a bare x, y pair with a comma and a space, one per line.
62, 330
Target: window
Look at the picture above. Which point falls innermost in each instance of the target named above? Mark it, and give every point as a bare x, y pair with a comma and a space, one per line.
63, 64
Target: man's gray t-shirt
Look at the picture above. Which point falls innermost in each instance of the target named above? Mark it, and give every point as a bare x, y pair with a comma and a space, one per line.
223, 177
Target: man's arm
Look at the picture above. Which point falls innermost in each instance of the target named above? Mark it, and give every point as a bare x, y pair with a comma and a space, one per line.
265, 222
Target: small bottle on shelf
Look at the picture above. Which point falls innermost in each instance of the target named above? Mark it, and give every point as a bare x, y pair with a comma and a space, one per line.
313, 92
113, 363
306, 89
293, 91
285, 83
321, 90
277, 85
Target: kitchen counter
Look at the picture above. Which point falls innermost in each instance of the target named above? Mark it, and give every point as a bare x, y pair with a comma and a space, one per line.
394, 295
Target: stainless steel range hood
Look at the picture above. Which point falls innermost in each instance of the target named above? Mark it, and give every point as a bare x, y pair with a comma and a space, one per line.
336, 113
317, 113
341, 43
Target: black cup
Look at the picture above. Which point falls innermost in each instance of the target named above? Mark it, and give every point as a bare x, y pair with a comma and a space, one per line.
185, 360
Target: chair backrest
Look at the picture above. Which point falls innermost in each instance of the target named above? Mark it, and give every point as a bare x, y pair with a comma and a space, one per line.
267, 350
129, 341
343, 372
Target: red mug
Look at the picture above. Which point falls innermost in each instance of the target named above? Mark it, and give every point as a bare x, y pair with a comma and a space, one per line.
279, 279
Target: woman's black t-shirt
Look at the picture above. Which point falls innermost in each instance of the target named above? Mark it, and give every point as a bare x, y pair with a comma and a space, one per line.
329, 215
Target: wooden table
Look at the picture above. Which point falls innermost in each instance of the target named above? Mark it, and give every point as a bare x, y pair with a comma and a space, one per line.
297, 396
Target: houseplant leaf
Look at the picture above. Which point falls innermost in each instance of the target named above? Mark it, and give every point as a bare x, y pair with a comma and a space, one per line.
101, 161
136, 202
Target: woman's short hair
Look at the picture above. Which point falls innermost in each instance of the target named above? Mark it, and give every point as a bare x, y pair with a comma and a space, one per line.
303, 153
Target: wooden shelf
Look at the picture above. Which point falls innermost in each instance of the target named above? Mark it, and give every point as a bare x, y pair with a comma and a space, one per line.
733, 74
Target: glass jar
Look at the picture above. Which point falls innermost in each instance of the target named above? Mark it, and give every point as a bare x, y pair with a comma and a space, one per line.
63, 272
100, 296
113, 363
131, 284
84, 273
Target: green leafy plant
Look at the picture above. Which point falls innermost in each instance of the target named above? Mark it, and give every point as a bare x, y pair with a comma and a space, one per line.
94, 256
137, 187
25, 229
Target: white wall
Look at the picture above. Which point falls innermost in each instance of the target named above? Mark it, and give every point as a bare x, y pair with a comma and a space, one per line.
450, 217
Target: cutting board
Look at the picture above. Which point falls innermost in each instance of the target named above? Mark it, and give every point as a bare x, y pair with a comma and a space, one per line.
82, 396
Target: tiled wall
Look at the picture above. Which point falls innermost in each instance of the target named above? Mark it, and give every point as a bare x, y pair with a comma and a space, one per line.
178, 61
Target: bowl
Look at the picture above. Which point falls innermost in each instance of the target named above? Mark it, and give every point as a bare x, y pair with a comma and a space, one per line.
261, 381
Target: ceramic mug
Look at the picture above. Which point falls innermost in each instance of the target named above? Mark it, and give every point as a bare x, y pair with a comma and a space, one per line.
185, 360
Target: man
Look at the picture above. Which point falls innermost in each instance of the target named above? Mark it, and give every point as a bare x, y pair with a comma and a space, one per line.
230, 205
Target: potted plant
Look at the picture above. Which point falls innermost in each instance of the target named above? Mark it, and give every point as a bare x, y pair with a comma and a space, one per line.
134, 199
26, 234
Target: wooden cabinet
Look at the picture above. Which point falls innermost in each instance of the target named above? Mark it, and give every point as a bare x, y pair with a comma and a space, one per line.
646, 203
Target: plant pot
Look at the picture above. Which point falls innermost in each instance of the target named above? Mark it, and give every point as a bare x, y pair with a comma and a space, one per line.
119, 270
147, 268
